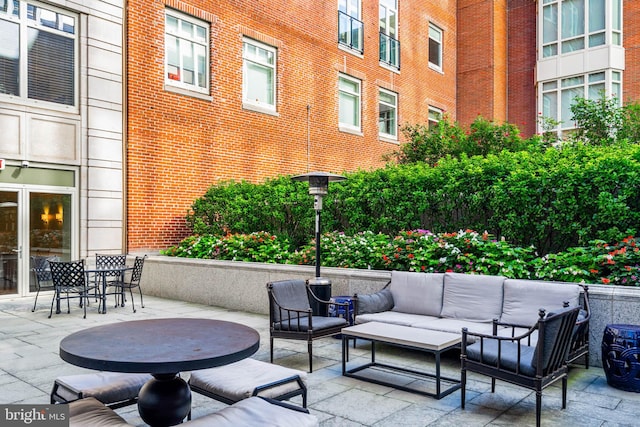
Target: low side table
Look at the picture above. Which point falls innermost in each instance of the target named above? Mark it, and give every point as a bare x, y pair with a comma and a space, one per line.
620, 352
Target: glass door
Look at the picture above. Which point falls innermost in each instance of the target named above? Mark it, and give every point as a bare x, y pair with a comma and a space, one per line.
32, 223
49, 220
9, 248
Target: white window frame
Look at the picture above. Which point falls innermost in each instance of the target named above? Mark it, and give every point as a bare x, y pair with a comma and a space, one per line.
553, 13
439, 43
393, 107
185, 42
357, 96
435, 116
554, 94
268, 106
24, 23
389, 28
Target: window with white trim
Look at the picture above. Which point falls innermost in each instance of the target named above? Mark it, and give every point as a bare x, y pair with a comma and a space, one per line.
38, 52
186, 52
435, 47
559, 95
350, 26
388, 114
572, 25
389, 43
349, 94
259, 74
435, 115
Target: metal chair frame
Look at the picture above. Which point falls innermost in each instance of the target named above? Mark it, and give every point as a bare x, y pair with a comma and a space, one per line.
69, 278
134, 282
550, 358
42, 275
298, 322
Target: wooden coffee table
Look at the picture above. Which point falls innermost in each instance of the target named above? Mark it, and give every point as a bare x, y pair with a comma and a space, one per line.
402, 336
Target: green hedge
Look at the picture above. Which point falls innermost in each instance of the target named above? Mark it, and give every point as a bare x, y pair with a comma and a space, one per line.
553, 200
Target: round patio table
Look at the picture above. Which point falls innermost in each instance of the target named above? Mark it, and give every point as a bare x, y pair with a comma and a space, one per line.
163, 348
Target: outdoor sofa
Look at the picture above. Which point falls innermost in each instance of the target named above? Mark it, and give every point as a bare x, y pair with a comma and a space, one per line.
485, 304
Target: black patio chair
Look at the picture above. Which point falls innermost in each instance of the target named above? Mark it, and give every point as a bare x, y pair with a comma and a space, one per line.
510, 359
133, 282
42, 275
69, 281
291, 316
112, 278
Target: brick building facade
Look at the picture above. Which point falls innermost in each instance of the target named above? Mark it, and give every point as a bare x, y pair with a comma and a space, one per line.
463, 58
180, 142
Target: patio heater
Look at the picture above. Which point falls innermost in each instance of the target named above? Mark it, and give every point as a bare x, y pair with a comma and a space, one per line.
318, 187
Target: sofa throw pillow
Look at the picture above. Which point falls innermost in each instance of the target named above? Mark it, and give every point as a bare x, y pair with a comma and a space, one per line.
375, 303
417, 293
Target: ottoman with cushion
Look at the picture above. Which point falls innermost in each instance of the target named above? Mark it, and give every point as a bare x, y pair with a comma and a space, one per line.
254, 411
91, 412
111, 388
249, 377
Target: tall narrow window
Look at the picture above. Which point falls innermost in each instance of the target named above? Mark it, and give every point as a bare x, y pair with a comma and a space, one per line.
616, 13
349, 103
187, 52
388, 114
572, 27
549, 28
597, 23
350, 27
259, 74
435, 115
389, 44
435, 47
38, 57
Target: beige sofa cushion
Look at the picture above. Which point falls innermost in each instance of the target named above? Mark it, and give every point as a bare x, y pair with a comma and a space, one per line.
472, 297
393, 317
417, 293
524, 298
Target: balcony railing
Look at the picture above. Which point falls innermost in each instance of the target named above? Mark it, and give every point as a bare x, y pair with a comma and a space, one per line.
350, 32
389, 50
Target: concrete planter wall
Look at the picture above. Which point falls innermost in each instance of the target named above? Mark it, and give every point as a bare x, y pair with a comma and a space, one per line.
242, 286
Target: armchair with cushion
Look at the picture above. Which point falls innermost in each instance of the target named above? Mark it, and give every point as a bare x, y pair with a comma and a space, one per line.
291, 316
511, 359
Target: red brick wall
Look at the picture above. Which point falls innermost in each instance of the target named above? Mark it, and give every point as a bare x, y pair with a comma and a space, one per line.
631, 43
481, 60
521, 56
178, 146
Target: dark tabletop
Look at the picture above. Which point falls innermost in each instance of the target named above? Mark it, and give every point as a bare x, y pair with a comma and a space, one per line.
160, 346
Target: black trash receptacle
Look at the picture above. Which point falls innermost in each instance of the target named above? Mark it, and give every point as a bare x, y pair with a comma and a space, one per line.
321, 287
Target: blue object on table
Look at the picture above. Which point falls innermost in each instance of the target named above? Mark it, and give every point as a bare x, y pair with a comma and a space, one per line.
341, 311
620, 352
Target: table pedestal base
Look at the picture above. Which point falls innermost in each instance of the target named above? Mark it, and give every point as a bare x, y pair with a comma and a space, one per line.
164, 400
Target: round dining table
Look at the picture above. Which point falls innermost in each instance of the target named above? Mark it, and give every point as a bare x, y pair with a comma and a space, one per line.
162, 347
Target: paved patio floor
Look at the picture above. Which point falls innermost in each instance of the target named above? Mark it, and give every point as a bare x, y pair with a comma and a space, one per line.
29, 363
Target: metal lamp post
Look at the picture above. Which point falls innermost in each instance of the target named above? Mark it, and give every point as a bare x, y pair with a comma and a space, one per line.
319, 187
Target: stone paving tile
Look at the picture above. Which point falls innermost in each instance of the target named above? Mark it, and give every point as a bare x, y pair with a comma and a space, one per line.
29, 363
350, 405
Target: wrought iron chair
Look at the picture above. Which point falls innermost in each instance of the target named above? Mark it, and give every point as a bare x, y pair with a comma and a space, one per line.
69, 280
112, 278
133, 282
42, 275
291, 316
511, 359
